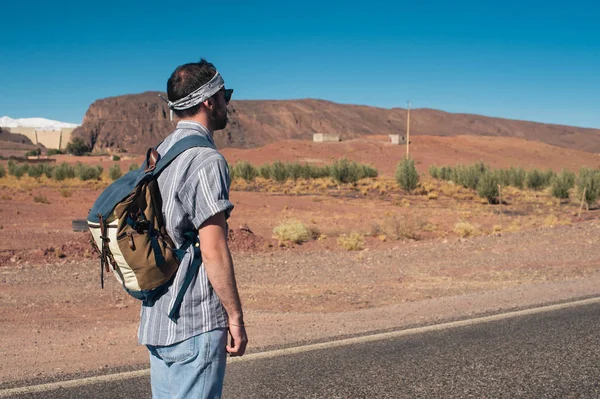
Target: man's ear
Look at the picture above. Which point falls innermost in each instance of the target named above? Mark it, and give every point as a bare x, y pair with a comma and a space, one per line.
208, 103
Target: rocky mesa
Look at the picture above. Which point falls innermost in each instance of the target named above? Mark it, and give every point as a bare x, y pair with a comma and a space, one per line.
133, 122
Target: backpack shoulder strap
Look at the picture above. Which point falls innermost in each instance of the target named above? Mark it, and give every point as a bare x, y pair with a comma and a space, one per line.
182, 145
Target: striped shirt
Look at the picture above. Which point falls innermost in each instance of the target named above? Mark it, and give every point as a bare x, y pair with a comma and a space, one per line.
194, 187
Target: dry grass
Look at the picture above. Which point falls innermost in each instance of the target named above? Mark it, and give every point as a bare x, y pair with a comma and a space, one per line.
553, 220
515, 225
430, 228
432, 195
352, 242
449, 189
429, 186
550, 221
465, 229
291, 231
28, 183
396, 227
41, 199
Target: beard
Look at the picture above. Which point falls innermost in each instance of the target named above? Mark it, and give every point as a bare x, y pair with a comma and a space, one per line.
219, 118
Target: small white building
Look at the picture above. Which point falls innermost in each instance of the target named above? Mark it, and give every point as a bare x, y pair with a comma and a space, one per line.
323, 137
397, 139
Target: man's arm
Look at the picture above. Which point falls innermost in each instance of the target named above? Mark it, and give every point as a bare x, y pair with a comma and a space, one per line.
219, 269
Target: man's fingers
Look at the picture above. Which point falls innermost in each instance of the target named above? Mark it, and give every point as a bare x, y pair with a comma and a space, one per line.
238, 342
235, 349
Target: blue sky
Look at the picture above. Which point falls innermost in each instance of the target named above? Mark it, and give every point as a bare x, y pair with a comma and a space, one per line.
530, 60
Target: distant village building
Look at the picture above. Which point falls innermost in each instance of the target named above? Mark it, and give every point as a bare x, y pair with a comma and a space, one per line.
58, 138
323, 137
397, 139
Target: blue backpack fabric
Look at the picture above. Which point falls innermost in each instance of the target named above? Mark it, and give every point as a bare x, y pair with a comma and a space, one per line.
128, 230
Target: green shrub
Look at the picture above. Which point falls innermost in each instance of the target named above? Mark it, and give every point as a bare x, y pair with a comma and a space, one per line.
407, 175
53, 151
446, 173
47, 169
293, 170
367, 171
589, 179
17, 169
549, 176
503, 176
434, 172
2, 171
77, 147
345, 171
244, 170
63, 171
535, 180
114, 172
265, 171
85, 172
115, 157
308, 171
562, 184
36, 170
278, 171
468, 175
36, 152
517, 177
488, 187
315, 172
133, 167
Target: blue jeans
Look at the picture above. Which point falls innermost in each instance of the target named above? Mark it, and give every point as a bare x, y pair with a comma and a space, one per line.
193, 368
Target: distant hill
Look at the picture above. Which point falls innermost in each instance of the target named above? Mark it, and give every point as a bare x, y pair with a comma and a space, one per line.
133, 122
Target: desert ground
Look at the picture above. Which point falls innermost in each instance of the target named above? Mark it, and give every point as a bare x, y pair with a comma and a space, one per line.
415, 264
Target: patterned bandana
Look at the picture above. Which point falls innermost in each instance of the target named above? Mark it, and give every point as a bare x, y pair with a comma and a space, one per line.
198, 96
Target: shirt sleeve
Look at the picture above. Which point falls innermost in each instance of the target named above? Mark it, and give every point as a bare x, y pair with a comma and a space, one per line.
206, 193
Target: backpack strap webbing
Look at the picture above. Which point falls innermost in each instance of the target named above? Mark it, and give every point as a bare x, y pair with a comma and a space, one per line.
191, 239
182, 145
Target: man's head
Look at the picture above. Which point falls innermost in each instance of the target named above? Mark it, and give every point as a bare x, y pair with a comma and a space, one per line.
200, 78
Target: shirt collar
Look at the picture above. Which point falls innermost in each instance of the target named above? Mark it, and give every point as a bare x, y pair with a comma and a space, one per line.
192, 125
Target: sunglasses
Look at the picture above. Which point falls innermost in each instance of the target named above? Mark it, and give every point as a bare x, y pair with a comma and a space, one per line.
228, 93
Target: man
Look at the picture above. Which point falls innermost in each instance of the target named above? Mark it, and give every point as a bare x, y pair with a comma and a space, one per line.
188, 354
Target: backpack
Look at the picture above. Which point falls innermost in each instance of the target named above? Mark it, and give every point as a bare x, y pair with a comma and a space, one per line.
128, 230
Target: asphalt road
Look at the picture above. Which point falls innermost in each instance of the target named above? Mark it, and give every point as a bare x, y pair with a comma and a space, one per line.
548, 355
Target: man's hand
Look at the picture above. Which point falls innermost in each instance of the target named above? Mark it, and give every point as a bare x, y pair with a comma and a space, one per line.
239, 340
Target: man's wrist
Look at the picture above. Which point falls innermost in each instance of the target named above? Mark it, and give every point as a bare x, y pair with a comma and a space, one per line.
236, 320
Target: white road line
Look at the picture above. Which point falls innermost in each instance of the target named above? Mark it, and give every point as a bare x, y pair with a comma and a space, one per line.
307, 348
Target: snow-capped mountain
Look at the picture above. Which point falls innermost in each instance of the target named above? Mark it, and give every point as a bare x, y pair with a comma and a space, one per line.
38, 123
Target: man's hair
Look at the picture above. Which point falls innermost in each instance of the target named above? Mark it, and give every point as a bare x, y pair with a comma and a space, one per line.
186, 79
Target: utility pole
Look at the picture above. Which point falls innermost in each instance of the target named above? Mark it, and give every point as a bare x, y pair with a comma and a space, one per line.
407, 128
